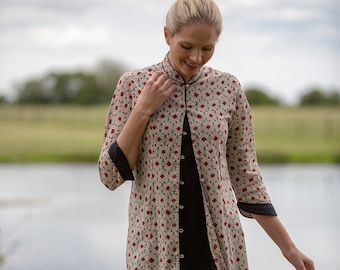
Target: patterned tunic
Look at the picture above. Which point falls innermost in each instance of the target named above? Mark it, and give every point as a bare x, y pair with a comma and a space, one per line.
224, 149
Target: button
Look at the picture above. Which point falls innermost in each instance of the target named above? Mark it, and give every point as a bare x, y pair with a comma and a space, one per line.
181, 207
181, 231
181, 256
181, 183
202, 180
182, 157
185, 133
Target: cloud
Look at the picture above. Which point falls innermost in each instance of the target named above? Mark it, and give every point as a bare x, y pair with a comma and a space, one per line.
261, 38
71, 35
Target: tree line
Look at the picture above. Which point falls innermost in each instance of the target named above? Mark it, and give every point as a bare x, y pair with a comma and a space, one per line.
96, 86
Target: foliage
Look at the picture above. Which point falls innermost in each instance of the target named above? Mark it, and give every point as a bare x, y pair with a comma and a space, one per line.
80, 87
258, 97
96, 86
3, 100
317, 97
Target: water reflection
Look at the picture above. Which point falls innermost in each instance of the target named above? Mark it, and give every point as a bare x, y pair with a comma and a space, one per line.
62, 217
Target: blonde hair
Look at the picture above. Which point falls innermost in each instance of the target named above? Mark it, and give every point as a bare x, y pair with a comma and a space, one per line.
193, 11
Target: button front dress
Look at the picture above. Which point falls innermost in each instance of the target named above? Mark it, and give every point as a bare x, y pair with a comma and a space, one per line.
196, 170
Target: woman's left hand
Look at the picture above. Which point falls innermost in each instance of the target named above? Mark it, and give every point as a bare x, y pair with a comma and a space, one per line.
299, 260
277, 232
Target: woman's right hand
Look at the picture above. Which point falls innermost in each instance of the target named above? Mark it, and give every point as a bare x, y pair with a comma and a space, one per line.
156, 90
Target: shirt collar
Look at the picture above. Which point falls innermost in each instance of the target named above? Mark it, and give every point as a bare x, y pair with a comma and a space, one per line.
174, 75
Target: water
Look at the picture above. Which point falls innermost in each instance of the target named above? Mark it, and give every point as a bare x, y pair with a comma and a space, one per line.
62, 217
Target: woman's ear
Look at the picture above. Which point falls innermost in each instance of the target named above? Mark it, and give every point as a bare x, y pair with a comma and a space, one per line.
167, 35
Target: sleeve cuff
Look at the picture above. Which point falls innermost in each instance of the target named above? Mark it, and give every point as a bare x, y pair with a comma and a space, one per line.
258, 209
119, 159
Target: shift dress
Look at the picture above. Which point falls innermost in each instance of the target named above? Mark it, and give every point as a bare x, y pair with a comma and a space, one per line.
224, 174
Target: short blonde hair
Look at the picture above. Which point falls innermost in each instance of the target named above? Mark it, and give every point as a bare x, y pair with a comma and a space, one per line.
184, 12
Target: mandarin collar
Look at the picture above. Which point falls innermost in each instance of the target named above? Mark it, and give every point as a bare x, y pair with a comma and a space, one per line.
174, 75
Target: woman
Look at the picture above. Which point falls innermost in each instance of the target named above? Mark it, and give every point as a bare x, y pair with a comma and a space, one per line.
183, 133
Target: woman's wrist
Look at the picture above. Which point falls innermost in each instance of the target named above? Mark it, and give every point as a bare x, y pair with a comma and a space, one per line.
288, 247
143, 113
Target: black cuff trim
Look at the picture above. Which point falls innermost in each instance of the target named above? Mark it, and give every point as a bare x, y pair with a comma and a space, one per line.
258, 209
119, 159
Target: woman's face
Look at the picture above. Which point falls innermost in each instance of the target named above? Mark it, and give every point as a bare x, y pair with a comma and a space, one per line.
191, 48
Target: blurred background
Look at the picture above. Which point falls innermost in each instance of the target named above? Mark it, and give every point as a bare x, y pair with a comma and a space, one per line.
59, 64
284, 46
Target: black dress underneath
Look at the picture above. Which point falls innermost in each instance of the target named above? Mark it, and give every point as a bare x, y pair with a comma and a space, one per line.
194, 246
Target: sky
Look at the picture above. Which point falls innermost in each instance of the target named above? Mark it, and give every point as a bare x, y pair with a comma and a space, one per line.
283, 46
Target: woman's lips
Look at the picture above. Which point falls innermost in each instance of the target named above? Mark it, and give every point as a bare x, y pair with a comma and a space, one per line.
192, 67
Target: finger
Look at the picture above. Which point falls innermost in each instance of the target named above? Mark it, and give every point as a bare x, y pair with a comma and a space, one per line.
155, 76
167, 84
162, 78
157, 80
310, 265
169, 90
162, 83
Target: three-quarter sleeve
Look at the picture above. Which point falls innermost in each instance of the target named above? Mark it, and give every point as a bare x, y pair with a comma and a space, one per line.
119, 111
249, 188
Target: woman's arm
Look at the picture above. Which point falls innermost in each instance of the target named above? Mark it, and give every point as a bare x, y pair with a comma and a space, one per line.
155, 92
277, 232
128, 122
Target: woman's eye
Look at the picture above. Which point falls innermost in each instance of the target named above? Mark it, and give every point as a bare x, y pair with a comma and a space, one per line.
186, 47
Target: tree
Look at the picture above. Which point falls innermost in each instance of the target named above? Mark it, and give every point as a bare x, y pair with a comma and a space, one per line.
3, 100
107, 74
258, 97
334, 98
61, 88
78, 87
31, 91
312, 98
317, 97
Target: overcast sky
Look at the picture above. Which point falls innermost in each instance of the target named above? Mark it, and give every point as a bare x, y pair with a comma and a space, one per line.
283, 46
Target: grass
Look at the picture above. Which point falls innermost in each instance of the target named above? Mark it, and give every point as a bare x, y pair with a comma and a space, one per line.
51, 134
304, 135
74, 134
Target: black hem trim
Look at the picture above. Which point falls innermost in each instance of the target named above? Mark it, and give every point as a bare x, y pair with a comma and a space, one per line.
258, 209
119, 159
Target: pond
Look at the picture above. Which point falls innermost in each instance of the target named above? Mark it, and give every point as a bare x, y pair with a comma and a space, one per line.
60, 216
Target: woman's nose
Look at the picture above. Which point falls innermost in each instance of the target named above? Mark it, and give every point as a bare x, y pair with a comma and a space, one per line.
196, 56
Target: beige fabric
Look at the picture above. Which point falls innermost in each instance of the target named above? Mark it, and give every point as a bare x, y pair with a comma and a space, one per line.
223, 142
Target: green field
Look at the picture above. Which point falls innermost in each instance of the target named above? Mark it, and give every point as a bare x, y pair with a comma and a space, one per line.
297, 135
74, 134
